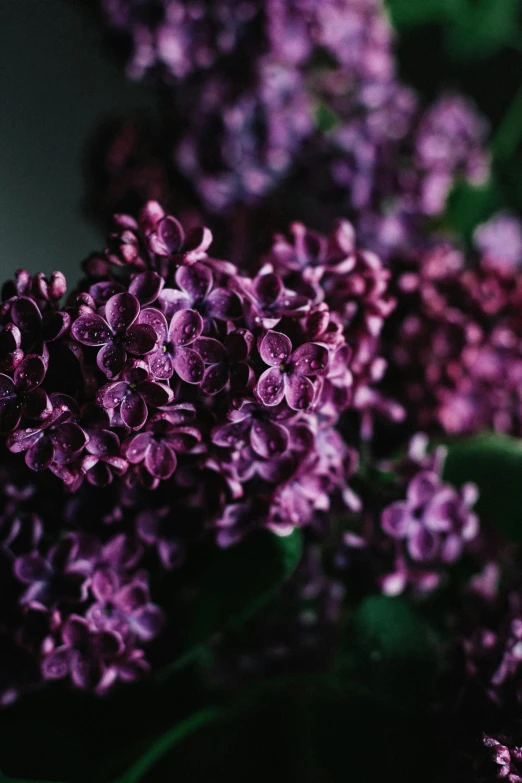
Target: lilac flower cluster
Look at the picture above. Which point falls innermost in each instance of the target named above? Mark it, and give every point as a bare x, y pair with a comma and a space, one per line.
167, 364
411, 541
505, 759
172, 39
242, 78
455, 343
74, 605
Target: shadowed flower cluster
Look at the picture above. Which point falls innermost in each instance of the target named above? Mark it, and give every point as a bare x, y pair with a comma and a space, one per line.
411, 541
77, 608
166, 364
455, 343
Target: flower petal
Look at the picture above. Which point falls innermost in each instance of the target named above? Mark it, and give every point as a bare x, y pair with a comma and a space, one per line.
239, 344
56, 665
140, 339
224, 305
121, 311
30, 373
300, 392
136, 447
111, 359
170, 234
157, 320
40, 455
160, 364
26, 315
210, 350
230, 435
37, 405
148, 622
91, 329
104, 584
268, 438
112, 394
133, 411
103, 443
69, 438
10, 415
268, 287
423, 545
310, 359
185, 327
189, 365
215, 378
195, 281
156, 394
270, 387
146, 287
160, 460
275, 348
32, 568
396, 519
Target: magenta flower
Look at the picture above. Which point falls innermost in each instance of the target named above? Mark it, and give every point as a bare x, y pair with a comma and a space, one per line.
289, 371
85, 654
270, 300
123, 608
62, 576
254, 424
227, 361
133, 394
118, 334
22, 395
174, 353
156, 447
197, 292
55, 439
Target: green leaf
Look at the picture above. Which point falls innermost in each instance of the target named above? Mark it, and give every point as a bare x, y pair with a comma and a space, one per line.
481, 28
410, 13
468, 205
233, 584
326, 119
166, 742
394, 651
494, 463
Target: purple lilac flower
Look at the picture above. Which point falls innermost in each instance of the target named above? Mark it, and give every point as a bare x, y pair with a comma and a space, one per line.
117, 333
290, 371
501, 759
22, 395
132, 395
414, 539
499, 239
199, 386
454, 344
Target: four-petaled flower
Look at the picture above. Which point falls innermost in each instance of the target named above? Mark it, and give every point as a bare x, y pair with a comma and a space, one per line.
56, 439
133, 393
156, 447
227, 361
289, 371
174, 353
196, 284
118, 334
22, 395
123, 608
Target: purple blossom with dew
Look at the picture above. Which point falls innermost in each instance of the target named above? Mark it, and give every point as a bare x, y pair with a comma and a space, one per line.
116, 333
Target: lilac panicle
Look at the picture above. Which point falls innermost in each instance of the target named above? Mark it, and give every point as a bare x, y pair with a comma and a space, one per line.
177, 365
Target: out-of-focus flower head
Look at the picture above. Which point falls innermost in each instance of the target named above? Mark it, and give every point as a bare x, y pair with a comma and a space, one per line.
410, 541
499, 239
455, 343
